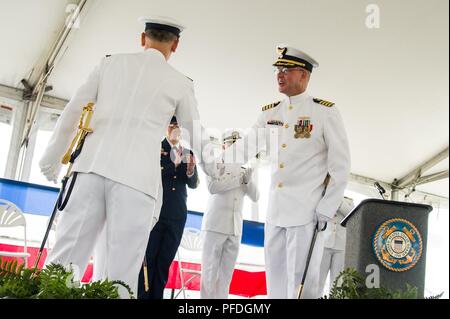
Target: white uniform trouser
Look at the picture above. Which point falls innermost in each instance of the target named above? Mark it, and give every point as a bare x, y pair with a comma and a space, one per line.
333, 262
219, 257
101, 246
100, 255
286, 250
127, 216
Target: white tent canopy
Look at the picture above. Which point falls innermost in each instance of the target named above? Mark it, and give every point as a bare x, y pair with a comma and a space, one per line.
389, 83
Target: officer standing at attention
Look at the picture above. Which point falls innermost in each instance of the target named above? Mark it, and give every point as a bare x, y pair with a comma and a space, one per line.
178, 169
311, 143
119, 173
222, 225
334, 245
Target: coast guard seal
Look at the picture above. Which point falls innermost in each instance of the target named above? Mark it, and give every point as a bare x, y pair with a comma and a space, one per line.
397, 244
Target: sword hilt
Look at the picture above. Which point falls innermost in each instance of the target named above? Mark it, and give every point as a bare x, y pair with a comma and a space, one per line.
83, 130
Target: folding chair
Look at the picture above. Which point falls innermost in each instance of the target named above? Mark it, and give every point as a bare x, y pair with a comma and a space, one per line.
191, 241
12, 216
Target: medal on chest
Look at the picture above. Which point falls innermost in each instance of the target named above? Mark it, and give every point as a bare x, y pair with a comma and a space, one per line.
303, 128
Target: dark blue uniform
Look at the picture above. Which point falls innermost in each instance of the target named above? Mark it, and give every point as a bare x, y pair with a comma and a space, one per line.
166, 235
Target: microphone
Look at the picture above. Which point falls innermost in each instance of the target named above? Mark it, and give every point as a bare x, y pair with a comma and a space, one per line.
380, 189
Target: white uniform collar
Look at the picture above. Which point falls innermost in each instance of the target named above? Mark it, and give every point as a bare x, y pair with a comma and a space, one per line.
155, 52
298, 98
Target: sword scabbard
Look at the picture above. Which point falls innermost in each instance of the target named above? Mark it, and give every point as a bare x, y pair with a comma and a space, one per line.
146, 284
145, 269
300, 290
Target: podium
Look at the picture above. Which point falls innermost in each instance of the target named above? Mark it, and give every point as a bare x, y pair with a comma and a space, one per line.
391, 235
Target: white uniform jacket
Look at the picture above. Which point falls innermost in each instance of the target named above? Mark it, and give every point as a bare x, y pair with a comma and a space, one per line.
335, 235
301, 163
224, 210
135, 96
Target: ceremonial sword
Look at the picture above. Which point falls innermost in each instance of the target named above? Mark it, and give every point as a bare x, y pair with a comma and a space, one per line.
313, 242
69, 157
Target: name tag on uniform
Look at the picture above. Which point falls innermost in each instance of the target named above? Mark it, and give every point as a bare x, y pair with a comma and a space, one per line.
275, 122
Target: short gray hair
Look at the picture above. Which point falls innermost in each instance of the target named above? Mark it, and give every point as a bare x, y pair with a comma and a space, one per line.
160, 35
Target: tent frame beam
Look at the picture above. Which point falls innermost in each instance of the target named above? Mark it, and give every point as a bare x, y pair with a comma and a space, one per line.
18, 95
33, 96
431, 198
415, 177
417, 173
432, 177
38, 81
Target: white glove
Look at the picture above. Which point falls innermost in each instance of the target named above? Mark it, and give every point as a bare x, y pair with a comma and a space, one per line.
247, 175
323, 222
50, 172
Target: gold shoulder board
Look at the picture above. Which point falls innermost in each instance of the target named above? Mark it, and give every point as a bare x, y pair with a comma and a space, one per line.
270, 106
323, 102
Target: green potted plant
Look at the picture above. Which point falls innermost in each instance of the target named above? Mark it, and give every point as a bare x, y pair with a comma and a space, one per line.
351, 285
52, 282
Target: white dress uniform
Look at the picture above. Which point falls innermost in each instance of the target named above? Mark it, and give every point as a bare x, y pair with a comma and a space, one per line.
119, 178
334, 238
312, 143
222, 230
